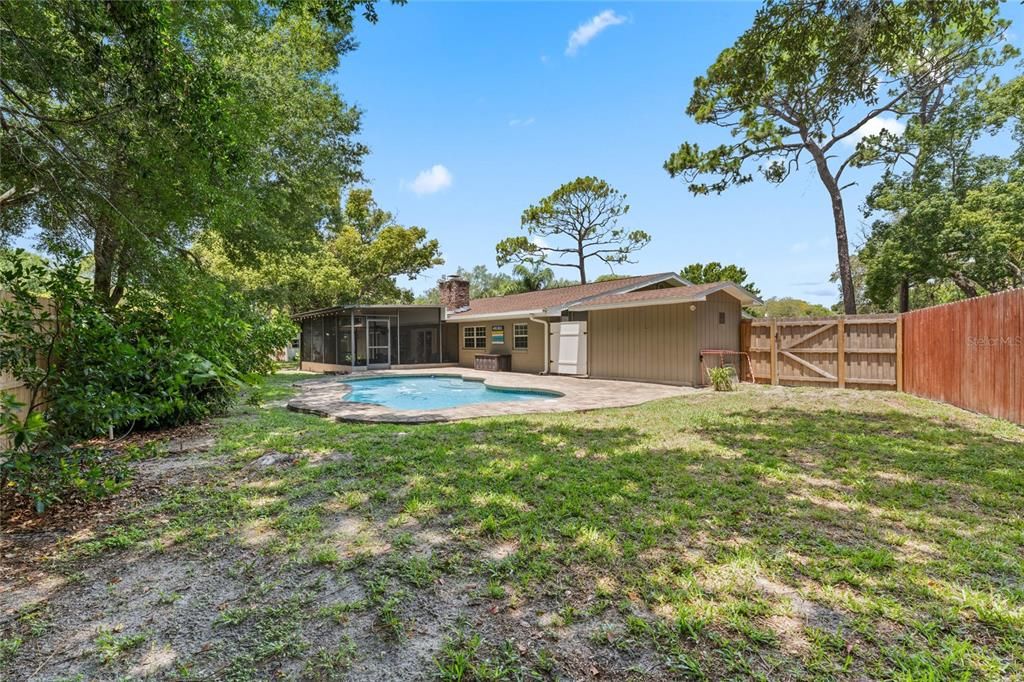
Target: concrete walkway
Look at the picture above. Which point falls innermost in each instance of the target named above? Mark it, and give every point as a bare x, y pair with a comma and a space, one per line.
326, 396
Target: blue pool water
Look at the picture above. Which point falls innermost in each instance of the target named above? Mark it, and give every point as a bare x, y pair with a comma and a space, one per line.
433, 393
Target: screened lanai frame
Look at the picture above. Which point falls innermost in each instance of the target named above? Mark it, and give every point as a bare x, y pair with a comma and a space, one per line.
373, 336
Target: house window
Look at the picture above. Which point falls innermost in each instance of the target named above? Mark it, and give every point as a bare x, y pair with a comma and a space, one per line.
520, 336
721, 318
474, 337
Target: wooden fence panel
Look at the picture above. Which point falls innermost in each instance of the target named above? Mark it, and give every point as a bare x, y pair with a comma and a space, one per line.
969, 354
756, 342
859, 351
8, 384
21, 393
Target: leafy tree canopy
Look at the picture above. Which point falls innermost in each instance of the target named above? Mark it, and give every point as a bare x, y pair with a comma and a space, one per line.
808, 77
576, 223
956, 217
356, 258
790, 307
707, 273
130, 128
532, 278
484, 283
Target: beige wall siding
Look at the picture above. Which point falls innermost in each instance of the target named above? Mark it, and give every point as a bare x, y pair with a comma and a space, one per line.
714, 334
661, 342
530, 360
653, 343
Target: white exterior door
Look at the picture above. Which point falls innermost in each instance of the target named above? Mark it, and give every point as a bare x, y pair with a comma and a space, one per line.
569, 348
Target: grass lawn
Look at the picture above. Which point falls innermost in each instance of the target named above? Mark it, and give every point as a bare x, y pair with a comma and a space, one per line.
768, 534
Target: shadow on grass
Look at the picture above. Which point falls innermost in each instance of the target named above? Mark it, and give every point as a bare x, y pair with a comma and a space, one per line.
832, 543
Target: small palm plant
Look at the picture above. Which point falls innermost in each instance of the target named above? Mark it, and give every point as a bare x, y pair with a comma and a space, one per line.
721, 378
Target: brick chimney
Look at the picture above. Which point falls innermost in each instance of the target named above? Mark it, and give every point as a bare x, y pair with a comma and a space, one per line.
454, 293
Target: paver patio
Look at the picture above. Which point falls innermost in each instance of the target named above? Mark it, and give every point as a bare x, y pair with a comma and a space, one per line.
326, 396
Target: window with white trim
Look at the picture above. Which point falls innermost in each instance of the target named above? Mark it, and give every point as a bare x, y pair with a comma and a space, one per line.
474, 337
520, 336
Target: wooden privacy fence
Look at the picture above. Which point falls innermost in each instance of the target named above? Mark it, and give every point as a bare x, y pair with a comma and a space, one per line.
969, 354
862, 351
21, 393
9, 384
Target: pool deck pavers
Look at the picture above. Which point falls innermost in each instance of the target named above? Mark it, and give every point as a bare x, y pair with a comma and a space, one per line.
325, 396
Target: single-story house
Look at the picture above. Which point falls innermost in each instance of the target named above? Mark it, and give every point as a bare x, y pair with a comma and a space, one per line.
648, 328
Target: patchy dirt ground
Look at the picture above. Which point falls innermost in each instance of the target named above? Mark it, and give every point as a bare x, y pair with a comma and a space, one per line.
772, 534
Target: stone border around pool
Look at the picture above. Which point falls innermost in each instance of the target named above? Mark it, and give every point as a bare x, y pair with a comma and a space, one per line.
326, 396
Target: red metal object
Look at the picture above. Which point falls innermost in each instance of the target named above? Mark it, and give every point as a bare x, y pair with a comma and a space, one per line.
721, 354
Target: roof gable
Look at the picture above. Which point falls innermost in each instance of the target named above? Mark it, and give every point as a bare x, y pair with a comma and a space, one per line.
692, 293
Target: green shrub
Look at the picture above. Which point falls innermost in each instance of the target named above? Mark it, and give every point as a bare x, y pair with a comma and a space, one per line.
170, 353
721, 378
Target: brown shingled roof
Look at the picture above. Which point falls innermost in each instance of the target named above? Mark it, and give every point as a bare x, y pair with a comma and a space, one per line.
549, 298
692, 291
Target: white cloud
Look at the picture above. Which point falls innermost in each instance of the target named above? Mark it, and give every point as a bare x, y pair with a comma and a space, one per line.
874, 127
589, 30
434, 179
522, 122
799, 247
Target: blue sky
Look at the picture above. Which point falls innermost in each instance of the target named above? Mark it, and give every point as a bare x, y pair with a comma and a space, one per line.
493, 94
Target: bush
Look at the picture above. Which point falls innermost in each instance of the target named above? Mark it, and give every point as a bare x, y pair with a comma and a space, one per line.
721, 378
167, 355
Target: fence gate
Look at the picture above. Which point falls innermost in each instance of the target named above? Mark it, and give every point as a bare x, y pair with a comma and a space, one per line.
859, 351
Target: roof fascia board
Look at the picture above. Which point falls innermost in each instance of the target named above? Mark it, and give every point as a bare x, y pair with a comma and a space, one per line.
640, 304
498, 316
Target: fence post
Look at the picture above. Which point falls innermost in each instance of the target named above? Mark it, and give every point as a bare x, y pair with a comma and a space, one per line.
841, 347
774, 355
899, 353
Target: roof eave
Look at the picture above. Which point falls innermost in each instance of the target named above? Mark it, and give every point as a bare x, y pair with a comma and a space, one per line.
319, 312
470, 317
636, 304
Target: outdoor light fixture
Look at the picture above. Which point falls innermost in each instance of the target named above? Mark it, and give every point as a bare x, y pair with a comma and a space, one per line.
693, 306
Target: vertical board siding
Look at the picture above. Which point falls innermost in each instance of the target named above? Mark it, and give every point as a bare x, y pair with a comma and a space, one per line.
653, 343
969, 354
715, 335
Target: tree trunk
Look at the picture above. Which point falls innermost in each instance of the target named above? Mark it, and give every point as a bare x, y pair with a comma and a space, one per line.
120, 276
104, 253
904, 295
583, 268
839, 218
964, 284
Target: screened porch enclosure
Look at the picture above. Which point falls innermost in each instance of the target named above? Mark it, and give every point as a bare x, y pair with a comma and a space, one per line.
373, 336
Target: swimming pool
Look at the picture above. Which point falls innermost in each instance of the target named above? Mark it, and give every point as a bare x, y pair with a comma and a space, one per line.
434, 392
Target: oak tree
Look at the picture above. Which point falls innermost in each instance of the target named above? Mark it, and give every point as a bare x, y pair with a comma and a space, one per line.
956, 215
130, 128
